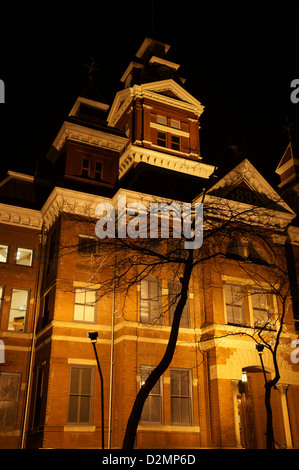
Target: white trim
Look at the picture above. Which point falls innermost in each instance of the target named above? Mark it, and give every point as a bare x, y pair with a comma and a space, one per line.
85, 135
168, 428
16, 215
135, 154
171, 130
146, 43
158, 60
91, 103
153, 91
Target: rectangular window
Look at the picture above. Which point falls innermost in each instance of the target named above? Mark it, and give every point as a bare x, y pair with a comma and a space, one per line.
234, 304
9, 400
175, 142
181, 397
3, 253
18, 309
260, 305
175, 124
174, 290
80, 395
161, 140
150, 301
85, 168
162, 120
98, 171
88, 245
24, 256
152, 409
85, 305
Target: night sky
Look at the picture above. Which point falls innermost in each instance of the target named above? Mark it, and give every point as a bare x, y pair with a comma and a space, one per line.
238, 61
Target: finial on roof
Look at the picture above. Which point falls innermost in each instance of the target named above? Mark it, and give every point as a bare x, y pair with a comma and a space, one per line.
91, 67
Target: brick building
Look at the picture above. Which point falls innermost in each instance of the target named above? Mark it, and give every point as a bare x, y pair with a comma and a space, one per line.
54, 269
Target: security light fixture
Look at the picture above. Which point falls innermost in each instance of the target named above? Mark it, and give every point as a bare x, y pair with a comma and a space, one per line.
93, 336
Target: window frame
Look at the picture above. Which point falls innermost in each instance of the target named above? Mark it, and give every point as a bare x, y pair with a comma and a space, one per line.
162, 139
26, 310
233, 322
151, 302
175, 145
32, 255
85, 304
96, 251
84, 168
152, 396
262, 311
7, 254
91, 395
180, 397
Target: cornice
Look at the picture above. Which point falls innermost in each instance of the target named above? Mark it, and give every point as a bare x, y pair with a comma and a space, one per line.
20, 216
135, 154
80, 133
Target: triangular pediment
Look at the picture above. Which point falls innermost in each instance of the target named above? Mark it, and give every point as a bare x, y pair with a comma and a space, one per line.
170, 88
167, 91
245, 185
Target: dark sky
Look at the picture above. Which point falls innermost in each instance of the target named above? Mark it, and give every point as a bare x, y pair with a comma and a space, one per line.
238, 61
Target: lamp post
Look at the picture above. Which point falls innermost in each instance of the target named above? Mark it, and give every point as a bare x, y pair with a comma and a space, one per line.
93, 336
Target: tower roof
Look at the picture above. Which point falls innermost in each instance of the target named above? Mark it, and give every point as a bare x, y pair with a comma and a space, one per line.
151, 64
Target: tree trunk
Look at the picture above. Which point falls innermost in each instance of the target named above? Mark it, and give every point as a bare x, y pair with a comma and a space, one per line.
269, 429
130, 434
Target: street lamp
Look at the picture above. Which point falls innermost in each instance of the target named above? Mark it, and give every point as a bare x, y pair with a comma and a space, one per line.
93, 336
260, 349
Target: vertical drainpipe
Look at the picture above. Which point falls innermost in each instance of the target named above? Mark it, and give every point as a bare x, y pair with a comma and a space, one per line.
111, 359
36, 304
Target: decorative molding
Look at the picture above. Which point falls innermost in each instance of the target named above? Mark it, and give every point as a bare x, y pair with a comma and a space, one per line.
85, 135
135, 154
21, 216
171, 130
153, 91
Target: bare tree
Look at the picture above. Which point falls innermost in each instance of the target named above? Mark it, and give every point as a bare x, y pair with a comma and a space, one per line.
125, 262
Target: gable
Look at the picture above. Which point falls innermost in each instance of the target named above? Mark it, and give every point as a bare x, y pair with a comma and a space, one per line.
244, 184
167, 92
244, 193
170, 88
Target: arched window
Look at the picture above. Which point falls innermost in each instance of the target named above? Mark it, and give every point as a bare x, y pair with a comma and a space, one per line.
245, 251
